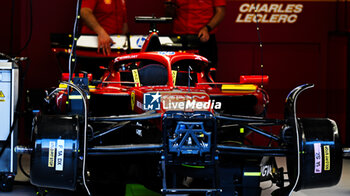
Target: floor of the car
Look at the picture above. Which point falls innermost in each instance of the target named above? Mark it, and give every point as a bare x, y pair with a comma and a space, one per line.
22, 186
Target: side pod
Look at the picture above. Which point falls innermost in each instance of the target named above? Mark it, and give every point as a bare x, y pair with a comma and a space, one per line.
315, 158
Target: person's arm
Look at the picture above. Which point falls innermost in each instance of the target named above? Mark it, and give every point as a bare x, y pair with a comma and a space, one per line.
125, 29
214, 22
104, 40
124, 19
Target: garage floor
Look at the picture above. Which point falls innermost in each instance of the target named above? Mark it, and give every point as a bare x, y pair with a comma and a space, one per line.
23, 188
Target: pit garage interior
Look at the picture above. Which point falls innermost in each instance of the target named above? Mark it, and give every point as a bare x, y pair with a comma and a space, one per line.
310, 45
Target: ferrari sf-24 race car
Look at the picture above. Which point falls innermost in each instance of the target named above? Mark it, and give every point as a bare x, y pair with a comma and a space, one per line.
158, 119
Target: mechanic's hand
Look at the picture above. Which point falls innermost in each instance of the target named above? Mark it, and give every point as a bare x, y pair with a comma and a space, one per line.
104, 43
203, 34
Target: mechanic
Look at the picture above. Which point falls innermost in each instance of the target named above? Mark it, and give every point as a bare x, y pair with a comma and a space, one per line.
104, 17
199, 17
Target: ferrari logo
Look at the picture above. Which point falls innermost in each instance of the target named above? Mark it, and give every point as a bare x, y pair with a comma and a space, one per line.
2, 94
132, 100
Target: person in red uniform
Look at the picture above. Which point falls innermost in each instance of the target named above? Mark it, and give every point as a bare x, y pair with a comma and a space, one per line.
104, 17
199, 17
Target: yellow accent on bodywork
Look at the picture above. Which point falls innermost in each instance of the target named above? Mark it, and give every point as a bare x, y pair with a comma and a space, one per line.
252, 174
241, 130
135, 75
238, 87
62, 86
174, 74
132, 101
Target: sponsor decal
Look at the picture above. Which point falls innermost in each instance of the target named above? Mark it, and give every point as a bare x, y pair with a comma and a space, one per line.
139, 131
179, 101
266, 170
191, 105
269, 13
327, 158
318, 158
139, 105
52, 148
60, 155
166, 53
151, 101
140, 41
189, 102
125, 57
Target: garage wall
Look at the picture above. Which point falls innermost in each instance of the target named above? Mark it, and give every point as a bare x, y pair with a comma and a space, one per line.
312, 49
309, 49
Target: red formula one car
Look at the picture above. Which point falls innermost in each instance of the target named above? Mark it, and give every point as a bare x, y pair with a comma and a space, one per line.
157, 118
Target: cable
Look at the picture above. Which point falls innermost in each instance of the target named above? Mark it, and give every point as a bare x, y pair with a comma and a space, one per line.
11, 25
48, 97
72, 55
30, 28
21, 167
72, 58
346, 15
337, 15
12, 31
85, 129
6, 56
260, 44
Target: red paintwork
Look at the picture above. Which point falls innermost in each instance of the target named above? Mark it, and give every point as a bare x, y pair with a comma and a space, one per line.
254, 79
61, 100
201, 91
65, 76
147, 41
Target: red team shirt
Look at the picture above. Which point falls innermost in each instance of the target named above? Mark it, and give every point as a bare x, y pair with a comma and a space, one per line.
111, 15
192, 15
